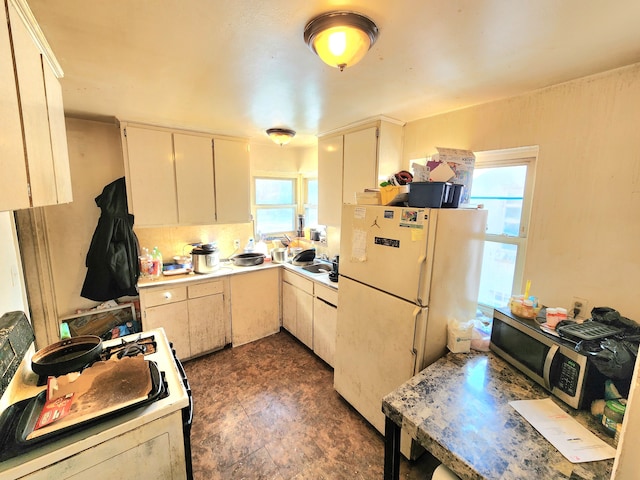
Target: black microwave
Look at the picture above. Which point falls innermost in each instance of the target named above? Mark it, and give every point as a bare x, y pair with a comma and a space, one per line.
550, 361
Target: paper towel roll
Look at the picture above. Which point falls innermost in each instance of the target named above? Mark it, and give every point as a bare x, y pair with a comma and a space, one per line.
443, 473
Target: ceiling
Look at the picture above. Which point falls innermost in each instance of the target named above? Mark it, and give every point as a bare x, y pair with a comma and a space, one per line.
238, 67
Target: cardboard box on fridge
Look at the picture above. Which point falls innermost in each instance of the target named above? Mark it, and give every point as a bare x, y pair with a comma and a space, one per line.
461, 163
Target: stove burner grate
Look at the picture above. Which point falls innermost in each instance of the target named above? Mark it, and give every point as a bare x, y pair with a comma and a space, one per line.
139, 346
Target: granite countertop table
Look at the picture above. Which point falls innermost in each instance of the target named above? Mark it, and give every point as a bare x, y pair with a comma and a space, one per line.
458, 409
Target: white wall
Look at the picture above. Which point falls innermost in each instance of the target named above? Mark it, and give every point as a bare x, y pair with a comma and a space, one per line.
95, 158
585, 224
286, 159
12, 290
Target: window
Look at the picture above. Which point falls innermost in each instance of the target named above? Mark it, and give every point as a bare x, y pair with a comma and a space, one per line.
503, 183
275, 204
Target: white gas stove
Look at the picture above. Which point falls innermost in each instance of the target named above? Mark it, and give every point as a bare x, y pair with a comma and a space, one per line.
97, 448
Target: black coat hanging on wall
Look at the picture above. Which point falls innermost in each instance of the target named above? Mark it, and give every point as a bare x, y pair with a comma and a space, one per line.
112, 260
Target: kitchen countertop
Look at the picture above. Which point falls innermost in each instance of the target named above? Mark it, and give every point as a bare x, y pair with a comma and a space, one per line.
457, 408
228, 268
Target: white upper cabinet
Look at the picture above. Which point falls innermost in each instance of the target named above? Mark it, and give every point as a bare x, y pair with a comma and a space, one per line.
360, 165
184, 178
14, 193
232, 180
34, 140
352, 159
150, 175
194, 179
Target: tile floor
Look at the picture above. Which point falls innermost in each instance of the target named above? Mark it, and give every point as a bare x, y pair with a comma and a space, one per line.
268, 410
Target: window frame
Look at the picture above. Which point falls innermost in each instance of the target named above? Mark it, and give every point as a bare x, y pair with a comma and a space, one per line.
519, 156
255, 207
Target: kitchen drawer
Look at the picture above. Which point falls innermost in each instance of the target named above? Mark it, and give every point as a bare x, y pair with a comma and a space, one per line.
162, 296
204, 289
298, 281
327, 294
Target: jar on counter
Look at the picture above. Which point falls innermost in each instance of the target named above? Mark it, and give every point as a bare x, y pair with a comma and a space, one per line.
613, 416
527, 308
562, 314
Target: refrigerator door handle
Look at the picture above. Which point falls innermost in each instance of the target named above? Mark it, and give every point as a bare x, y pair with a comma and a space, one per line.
419, 333
422, 261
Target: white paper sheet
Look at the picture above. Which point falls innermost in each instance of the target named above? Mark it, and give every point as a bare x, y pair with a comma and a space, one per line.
359, 246
571, 439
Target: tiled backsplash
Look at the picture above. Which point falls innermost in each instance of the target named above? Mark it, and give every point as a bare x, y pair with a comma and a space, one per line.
173, 241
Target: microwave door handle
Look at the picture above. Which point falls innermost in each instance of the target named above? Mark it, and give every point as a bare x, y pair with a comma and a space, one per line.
546, 373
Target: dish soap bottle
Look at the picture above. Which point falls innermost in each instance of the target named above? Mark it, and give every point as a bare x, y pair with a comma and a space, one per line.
250, 246
261, 247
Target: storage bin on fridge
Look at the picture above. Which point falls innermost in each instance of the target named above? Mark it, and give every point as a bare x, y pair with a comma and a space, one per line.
428, 194
454, 197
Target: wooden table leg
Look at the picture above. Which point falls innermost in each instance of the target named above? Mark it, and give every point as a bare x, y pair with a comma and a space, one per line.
391, 450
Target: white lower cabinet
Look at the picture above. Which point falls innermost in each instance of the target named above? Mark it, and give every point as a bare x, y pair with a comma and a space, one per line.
309, 313
325, 319
174, 318
297, 306
195, 317
209, 316
255, 305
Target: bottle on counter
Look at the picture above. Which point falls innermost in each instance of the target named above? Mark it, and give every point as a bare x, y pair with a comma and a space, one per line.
156, 260
250, 246
261, 247
146, 265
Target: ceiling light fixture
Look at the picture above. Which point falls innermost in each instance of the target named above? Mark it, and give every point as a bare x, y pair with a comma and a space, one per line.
281, 136
341, 39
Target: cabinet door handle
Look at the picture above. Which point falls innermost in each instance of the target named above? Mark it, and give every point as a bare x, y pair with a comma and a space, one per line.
167, 295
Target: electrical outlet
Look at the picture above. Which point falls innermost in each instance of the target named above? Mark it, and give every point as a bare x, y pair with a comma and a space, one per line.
579, 308
236, 243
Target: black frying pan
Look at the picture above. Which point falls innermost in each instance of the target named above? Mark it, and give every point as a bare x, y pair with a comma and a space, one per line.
66, 356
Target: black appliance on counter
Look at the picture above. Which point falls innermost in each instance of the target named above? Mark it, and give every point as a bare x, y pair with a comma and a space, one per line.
333, 275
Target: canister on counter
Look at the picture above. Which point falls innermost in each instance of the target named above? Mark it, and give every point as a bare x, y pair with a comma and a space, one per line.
613, 416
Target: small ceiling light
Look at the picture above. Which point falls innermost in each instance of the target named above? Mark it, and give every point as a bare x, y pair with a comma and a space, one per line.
340, 39
281, 136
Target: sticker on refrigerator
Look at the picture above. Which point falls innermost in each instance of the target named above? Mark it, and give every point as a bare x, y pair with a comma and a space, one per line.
411, 218
388, 214
359, 212
386, 242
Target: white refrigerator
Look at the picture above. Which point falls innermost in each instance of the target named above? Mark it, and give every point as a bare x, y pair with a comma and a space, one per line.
404, 272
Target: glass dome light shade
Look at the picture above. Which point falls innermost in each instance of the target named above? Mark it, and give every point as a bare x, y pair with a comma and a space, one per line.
340, 39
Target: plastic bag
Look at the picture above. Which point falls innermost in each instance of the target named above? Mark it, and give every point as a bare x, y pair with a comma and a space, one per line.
481, 336
614, 357
459, 335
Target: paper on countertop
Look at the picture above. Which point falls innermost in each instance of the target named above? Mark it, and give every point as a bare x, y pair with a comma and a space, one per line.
571, 439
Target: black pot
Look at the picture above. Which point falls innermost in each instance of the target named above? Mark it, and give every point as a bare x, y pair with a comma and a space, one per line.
66, 356
248, 259
305, 257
